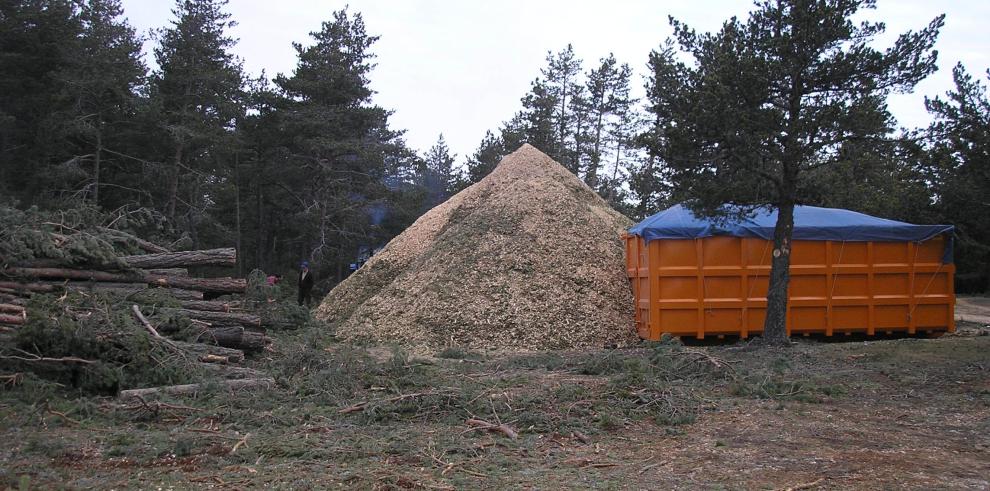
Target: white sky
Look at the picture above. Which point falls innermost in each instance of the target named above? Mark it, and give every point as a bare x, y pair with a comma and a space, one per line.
460, 67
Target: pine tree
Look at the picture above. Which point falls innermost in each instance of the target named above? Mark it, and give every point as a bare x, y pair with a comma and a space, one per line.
198, 92
773, 98
102, 80
959, 157
437, 172
561, 74
489, 153
340, 146
608, 92
539, 116
38, 38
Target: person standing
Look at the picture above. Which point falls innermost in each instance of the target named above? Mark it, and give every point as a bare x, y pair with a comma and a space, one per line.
305, 284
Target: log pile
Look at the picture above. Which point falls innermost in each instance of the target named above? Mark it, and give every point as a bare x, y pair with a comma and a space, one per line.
221, 325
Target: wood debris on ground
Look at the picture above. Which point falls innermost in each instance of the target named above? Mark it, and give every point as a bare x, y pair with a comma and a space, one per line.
528, 258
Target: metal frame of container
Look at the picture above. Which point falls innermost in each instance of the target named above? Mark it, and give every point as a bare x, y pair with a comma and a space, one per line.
717, 286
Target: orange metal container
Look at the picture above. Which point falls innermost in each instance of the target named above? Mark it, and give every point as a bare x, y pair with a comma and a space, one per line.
718, 285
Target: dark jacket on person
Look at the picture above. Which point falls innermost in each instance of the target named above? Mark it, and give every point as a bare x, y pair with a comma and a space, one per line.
306, 281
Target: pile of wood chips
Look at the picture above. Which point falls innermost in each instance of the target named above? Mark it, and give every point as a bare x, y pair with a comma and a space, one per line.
528, 258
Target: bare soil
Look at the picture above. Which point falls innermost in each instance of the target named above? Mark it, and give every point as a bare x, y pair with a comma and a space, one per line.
973, 309
876, 414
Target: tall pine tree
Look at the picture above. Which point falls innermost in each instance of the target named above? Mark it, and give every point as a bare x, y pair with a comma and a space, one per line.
197, 90
773, 98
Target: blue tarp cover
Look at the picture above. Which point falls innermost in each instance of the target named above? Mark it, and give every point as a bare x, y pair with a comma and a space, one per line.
810, 223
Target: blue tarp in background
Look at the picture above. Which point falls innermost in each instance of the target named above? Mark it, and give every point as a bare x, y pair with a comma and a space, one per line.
810, 223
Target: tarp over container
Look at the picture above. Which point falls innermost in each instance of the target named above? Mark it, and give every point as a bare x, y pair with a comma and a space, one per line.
810, 223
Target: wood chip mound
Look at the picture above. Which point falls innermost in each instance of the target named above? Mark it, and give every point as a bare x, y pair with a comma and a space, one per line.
528, 258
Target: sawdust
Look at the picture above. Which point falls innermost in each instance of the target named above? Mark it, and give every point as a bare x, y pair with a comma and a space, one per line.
527, 258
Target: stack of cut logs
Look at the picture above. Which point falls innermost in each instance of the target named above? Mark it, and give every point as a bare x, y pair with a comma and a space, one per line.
224, 324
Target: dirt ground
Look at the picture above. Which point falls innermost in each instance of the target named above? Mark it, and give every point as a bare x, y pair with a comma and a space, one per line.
973, 309
867, 414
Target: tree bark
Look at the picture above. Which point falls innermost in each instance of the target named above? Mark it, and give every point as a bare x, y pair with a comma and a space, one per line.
96, 164
10, 308
234, 337
10, 319
217, 285
214, 285
231, 355
229, 372
168, 271
213, 306
29, 287
237, 210
173, 184
12, 299
775, 324
250, 383
210, 257
221, 318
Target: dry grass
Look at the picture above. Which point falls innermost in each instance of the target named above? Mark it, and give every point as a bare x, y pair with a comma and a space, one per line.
896, 414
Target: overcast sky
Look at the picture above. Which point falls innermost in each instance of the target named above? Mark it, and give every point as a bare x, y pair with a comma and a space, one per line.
459, 67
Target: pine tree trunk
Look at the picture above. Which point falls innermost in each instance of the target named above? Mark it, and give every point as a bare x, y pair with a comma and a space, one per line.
237, 210
210, 257
217, 285
96, 166
775, 324
173, 184
591, 178
219, 318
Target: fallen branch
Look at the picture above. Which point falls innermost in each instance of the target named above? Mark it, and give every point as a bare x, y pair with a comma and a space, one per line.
144, 322
239, 384
36, 358
203, 350
480, 424
242, 441
809, 485
143, 244
361, 406
212, 306
12, 379
585, 462
700, 355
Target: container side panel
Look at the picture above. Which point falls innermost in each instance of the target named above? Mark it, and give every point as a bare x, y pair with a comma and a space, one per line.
932, 316
758, 288
676, 253
808, 319
723, 321
850, 253
851, 286
891, 284
680, 322
723, 288
758, 252
890, 253
718, 285
852, 318
807, 287
722, 251
808, 253
931, 251
891, 316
